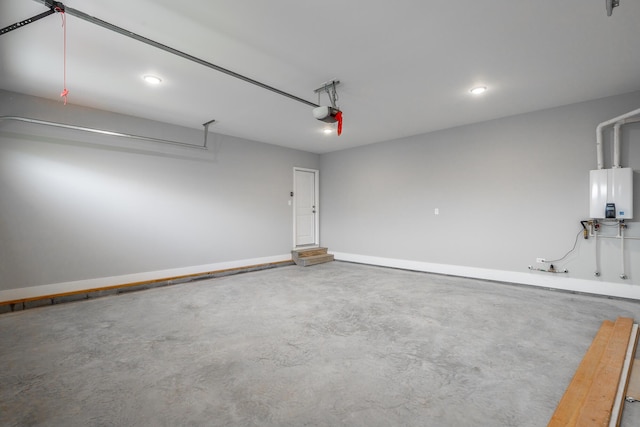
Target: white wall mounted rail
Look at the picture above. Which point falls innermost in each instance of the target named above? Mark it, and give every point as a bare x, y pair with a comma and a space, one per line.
111, 133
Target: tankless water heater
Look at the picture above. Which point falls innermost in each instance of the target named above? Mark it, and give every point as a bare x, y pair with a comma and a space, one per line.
611, 193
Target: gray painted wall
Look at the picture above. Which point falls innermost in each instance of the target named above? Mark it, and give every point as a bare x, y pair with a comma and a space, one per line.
508, 191
78, 206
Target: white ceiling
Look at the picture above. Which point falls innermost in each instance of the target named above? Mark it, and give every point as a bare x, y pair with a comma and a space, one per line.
406, 67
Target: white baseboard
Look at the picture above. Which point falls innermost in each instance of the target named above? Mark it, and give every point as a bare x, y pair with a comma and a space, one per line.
104, 282
544, 280
557, 281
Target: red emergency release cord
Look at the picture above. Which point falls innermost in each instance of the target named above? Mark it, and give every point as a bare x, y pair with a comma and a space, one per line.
65, 91
339, 118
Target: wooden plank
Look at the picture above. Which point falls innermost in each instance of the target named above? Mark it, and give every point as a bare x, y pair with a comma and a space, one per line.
301, 253
144, 282
618, 404
316, 259
598, 405
568, 409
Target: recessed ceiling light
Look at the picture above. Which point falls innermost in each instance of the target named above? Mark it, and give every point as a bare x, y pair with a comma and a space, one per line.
154, 80
478, 90
327, 131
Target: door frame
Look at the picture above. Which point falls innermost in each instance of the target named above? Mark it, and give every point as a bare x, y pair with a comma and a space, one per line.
316, 179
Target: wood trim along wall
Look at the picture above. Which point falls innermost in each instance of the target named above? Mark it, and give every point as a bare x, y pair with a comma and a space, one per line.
90, 293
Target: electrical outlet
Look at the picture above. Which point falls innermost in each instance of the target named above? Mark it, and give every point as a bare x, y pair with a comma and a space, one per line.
540, 260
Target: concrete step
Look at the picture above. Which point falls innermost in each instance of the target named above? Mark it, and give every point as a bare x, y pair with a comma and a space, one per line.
314, 259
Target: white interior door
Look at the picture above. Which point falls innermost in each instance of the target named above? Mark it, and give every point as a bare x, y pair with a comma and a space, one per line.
306, 213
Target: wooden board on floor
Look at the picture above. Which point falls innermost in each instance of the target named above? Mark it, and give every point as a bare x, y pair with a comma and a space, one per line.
568, 409
598, 404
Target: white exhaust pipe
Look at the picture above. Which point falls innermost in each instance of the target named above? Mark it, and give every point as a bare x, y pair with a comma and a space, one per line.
616, 139
601, 126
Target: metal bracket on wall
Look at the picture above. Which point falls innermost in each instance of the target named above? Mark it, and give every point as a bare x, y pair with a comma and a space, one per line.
206, 131
610, 4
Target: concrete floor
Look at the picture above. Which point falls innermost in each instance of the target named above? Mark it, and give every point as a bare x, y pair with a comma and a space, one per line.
336, 344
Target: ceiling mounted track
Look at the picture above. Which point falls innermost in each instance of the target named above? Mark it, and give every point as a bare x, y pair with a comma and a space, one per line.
27, 21
85, 17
